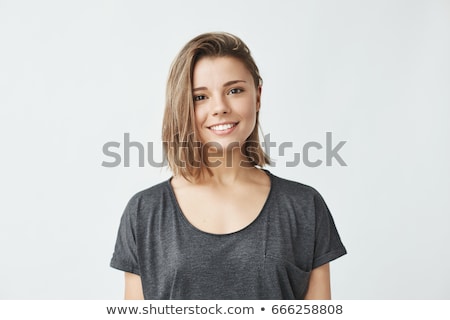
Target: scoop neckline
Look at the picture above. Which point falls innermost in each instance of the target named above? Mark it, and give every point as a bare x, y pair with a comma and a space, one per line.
181, 214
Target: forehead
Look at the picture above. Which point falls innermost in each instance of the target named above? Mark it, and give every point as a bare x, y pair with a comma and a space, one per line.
219, 69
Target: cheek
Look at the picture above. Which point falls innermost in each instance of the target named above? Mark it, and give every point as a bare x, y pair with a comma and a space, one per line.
200, 117
249, 109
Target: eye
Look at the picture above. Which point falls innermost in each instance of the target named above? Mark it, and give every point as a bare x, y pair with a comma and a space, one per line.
199, 98
235, 91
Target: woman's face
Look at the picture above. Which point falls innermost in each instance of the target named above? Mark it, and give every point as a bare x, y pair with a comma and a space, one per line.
225, 101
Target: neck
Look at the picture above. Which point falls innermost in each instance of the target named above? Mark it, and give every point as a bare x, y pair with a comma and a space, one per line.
227, 169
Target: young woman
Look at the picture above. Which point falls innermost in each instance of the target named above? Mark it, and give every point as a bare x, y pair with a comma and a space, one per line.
222, 227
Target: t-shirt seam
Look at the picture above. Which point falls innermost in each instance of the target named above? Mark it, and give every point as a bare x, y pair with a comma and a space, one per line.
329, 256
124, 266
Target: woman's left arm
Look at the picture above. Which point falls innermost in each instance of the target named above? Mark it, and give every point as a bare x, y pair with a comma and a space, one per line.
319, 287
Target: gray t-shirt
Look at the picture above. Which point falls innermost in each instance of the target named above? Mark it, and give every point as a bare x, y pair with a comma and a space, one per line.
271, 258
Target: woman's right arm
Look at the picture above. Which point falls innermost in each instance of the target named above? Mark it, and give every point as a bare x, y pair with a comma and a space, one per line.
133, 287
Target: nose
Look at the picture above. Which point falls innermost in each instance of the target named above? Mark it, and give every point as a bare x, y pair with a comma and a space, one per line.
220, 106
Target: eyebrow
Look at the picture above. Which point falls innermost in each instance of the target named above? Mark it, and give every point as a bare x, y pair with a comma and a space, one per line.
226, 84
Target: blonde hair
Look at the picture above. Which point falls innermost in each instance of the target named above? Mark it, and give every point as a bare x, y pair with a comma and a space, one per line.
181, 142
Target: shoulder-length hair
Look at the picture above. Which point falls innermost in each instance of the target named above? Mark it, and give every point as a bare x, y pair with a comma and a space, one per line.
181, 142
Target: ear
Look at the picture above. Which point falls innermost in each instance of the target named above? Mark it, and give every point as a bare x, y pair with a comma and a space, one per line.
258, 98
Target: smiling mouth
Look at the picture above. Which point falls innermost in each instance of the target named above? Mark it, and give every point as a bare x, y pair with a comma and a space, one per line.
223, 127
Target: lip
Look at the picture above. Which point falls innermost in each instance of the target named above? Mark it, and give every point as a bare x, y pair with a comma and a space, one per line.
226, 131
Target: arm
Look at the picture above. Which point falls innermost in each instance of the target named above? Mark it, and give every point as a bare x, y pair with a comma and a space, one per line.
133, 287
319, 287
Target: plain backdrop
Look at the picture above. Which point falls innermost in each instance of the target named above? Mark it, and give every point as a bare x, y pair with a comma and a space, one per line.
75, 75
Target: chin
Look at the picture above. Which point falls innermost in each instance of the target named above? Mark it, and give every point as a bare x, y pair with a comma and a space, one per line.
223, 146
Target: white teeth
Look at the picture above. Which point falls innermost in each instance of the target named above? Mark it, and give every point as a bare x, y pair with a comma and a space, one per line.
222, 127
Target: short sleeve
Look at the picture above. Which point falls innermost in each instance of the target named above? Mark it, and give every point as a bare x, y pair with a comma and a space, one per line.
125, 256
328, 245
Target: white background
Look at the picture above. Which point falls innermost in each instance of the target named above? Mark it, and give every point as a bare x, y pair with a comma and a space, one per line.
77, 74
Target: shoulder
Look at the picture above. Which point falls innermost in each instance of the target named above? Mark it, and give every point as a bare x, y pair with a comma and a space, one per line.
150, 197
293, 188
151, 192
